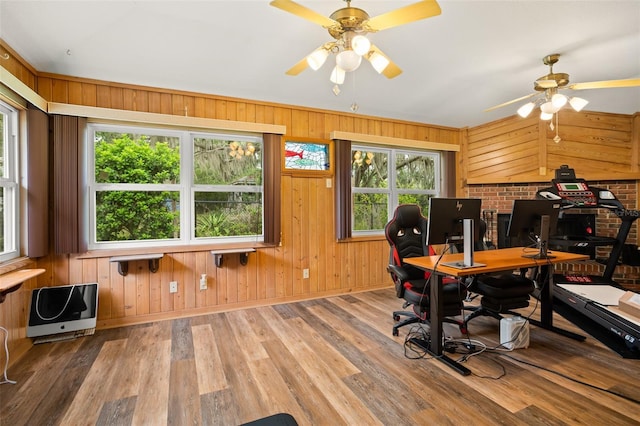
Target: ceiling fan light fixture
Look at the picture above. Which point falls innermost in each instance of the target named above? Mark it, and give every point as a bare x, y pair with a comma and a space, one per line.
546, 116
337, 75
548, 108
526, 109
317, 58
379, 62
558, 100
348, 60
578, 103
360, 44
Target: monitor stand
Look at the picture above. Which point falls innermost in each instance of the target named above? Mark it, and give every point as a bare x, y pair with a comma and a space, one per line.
467, 243
542, 241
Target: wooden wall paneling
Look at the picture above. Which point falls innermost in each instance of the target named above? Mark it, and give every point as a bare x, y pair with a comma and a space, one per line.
103, 96
635, 143
299, 123
59, 91
165, 273
129, 100
211, 295
154, 102
179, 275
190, 281
231, 111
44, 88
166, 105
143, 288
104, 288
116, 97
75, 92
89, 94
116, 291
141, 100
130, 290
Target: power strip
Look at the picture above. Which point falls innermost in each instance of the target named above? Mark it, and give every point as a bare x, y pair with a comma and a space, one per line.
514, 332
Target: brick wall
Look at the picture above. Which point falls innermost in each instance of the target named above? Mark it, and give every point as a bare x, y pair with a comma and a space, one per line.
499, 199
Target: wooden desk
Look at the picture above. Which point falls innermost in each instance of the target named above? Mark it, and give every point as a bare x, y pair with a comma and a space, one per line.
508, 259
13, 280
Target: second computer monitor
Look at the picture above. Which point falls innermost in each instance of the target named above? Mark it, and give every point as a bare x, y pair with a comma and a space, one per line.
532, 222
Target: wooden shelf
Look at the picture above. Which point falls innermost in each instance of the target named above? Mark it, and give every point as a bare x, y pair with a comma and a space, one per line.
123, 261
243, 252
13, 280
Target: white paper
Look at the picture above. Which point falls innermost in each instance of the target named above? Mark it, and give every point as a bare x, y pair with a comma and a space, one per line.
603, 294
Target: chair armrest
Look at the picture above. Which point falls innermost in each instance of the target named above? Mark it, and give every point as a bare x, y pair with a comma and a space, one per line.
398, 272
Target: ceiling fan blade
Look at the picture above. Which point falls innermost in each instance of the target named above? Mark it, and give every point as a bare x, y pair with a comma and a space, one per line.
298, 68
391, 70
303, 12
404, 15
632, 82
513, 101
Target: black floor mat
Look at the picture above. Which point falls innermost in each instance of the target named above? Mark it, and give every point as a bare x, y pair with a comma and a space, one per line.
595, 330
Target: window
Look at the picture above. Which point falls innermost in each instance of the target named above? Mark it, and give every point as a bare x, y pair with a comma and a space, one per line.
382, 178
157, 186
9, 203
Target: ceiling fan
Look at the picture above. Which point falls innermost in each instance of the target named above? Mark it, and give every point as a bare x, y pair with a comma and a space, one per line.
548, 87
349, 26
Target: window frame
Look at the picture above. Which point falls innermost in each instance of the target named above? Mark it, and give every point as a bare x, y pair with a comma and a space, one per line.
186, 186
393, 193
9, 181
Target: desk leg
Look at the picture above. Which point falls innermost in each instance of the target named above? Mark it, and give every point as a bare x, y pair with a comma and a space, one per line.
435, 314
546, 307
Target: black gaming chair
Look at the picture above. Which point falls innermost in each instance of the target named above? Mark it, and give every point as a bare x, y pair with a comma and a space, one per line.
500, 293
406, 234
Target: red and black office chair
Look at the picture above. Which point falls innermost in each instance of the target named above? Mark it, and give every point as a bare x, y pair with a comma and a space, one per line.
500, 293
406, 234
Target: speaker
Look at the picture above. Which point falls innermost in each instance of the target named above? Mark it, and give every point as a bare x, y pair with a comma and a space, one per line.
514, 332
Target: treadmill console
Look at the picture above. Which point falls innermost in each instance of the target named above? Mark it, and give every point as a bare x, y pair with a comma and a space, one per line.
575, 192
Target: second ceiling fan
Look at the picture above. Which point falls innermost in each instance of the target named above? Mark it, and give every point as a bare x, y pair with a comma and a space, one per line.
349, 26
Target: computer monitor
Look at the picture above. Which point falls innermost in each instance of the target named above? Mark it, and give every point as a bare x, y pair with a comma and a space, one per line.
62, 309
453, 221
532, 221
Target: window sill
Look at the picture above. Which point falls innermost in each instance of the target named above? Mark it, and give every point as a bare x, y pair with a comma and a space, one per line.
92, 254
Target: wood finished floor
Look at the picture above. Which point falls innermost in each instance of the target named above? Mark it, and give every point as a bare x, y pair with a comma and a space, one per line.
327, 362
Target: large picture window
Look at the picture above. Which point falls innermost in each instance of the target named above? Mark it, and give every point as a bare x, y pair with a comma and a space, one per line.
382, 178
9, 191
155, 186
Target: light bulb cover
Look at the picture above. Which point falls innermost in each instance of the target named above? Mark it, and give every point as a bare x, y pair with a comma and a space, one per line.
545, 116
337, 75
348, 60
558, 100
378, 62
548, 108
526, 109
578, 103
317, 58
360, 44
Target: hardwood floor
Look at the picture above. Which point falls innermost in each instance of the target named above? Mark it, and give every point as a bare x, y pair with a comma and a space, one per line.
327, 362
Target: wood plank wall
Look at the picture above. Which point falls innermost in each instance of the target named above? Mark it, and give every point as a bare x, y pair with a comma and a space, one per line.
599, 146
505, 151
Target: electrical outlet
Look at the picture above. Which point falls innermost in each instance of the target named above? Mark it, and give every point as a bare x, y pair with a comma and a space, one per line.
305, 273
203, 282
173, 287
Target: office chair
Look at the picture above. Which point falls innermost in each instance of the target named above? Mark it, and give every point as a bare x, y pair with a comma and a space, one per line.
406, 234
500, 293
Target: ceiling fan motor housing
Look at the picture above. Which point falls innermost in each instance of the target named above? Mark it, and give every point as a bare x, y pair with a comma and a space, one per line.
349, 18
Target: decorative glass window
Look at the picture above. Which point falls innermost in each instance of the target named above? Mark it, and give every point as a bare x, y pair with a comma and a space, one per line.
307, 156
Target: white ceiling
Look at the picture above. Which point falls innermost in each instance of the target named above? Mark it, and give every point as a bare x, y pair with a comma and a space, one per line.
475, 55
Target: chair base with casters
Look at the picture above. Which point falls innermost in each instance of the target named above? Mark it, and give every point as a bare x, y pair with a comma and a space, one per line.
420, 313
501, 294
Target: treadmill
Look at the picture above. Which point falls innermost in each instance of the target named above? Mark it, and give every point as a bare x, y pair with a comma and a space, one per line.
576, 193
